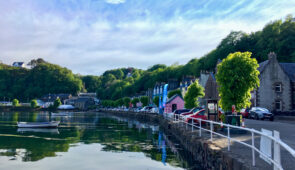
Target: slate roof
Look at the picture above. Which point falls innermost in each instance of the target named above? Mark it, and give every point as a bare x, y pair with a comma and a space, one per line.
173, 97
262, 65
288, 68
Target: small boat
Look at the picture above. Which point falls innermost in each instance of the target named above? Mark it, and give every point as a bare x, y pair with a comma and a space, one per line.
38, 130
52, 124
60, 114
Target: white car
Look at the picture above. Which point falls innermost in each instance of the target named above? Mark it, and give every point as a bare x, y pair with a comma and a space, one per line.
154, 110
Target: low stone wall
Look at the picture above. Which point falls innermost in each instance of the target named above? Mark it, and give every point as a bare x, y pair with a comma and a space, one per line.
202, 150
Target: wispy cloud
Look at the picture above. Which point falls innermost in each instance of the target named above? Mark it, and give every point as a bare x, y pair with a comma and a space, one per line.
91, 36
115, 1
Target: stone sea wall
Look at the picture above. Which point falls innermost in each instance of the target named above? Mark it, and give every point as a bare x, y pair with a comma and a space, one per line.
202, 150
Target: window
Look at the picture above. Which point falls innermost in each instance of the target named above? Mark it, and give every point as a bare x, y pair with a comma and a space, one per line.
202, 113
278, 105
278, 87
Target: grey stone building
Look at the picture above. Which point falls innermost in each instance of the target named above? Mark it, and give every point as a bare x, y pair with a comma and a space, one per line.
204, 76
277, 85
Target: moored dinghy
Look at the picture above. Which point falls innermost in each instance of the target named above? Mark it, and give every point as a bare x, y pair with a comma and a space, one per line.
52, 124
60, 114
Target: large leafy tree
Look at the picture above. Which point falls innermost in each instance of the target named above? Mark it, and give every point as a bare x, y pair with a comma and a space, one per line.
194, 91
56, 103
127, 101
156, 100
119, 102
34, 103
91, 83
236, 77
135, 101
144, 100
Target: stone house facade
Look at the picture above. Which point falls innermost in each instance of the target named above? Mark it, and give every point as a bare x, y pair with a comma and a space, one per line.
277, 85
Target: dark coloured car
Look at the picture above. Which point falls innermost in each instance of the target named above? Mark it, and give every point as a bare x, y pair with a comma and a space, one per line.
180, 111
260, 113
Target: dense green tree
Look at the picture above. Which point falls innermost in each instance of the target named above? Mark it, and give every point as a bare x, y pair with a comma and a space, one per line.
91, 83
194, 91
144, 100
237, 76
119, 102
56, 103
174, 92
15, 102
156, 100
127, 101
135, 101
156, 67
34, 103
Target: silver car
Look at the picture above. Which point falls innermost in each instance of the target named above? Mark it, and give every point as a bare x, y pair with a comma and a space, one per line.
260, 113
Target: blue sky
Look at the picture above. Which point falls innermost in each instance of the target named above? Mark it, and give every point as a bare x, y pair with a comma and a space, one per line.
91, 36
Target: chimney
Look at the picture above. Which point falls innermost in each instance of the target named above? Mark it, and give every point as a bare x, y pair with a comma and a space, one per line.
272, 56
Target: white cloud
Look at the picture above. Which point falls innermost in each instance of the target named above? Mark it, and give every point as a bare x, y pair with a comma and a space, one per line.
93, 46
115, 1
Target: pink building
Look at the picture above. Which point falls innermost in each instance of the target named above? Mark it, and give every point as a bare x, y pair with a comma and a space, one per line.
175, 102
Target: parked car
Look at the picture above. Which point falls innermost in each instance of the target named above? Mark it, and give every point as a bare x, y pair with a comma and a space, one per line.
260, 113
146, 108
177, 112
154, 110
245, 112
194, 110
200, 115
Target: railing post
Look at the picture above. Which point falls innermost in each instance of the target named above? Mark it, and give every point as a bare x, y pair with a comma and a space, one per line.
211, 129
253, 150
277, 150
228, 139
193, 124
200, 128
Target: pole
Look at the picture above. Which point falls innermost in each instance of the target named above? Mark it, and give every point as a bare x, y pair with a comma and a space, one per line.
277, 150
211, 129
253, 151
200, 128
193, 124
228, 139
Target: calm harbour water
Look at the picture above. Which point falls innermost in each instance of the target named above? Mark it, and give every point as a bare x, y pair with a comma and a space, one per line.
86, 141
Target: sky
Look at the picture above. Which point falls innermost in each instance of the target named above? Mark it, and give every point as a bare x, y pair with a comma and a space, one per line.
92, 36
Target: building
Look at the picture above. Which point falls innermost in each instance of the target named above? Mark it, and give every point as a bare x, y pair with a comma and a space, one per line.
174, 103
277, 85
173, 84
18, 64
149, 94
202, 81
185, 83
50, 98
83, 103
158, 89
211, 97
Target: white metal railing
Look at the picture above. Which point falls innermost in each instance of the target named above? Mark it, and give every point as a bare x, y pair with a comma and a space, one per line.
276, 160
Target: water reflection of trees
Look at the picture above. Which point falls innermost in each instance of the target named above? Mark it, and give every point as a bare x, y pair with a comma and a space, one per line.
116, 135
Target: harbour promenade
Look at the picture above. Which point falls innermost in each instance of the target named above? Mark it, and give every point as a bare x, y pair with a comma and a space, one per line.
214, 153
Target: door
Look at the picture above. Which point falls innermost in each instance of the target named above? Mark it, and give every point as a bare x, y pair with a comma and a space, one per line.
174, 107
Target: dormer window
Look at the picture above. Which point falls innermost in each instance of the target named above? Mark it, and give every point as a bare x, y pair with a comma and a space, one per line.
278, 87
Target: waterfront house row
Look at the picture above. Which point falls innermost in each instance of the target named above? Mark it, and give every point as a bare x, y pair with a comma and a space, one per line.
276, 91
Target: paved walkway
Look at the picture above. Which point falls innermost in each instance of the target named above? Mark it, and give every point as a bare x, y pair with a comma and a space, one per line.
287, 133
